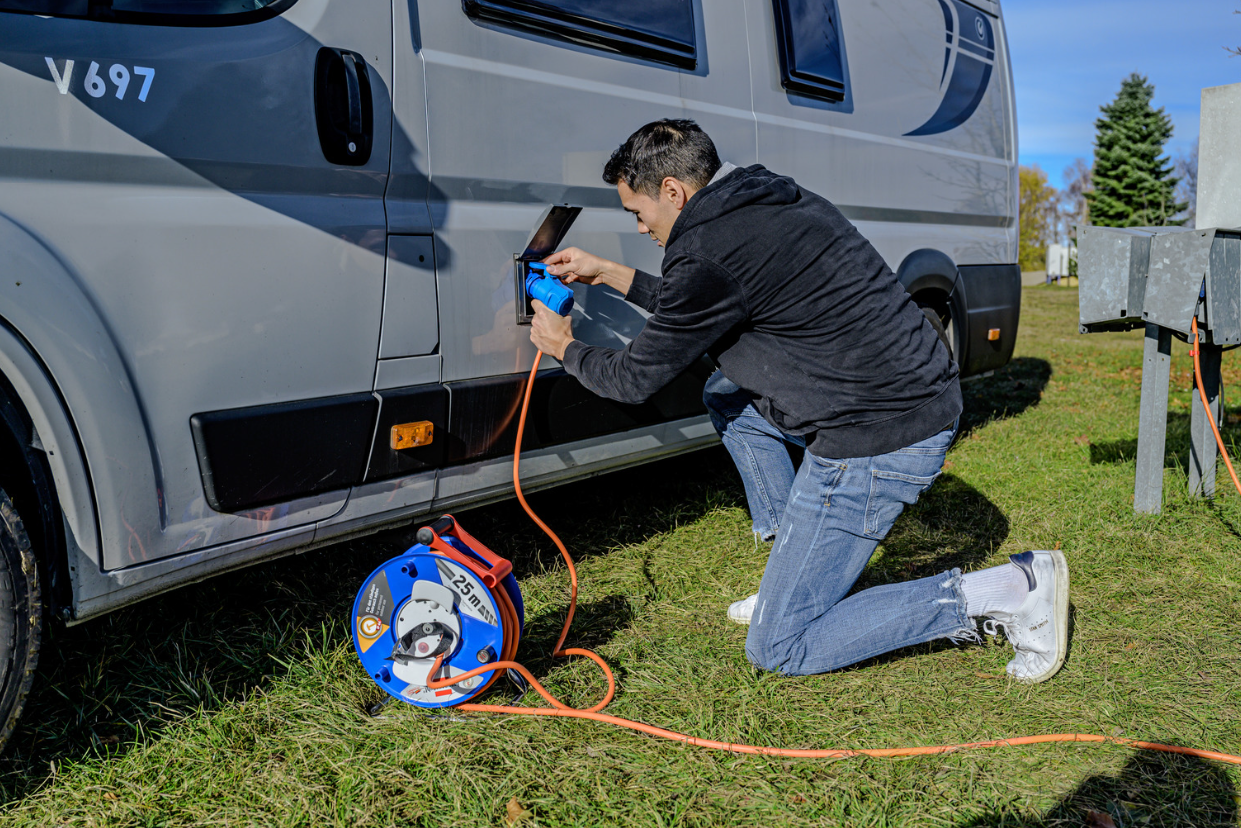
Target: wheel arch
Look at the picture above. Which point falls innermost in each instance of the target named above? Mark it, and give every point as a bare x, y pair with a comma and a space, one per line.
66, 371
931, 278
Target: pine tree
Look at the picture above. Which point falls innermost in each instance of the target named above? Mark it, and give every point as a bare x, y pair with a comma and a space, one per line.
1133, 184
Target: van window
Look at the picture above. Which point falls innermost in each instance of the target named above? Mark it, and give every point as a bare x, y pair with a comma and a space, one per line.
661, 31
812, 59
155, 12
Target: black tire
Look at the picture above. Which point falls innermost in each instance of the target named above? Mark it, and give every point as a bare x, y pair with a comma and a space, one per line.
21, 616
933, 316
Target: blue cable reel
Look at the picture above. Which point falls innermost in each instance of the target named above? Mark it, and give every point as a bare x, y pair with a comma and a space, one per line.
447, 595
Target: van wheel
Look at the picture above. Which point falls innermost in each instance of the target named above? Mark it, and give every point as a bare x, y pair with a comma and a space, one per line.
21, 616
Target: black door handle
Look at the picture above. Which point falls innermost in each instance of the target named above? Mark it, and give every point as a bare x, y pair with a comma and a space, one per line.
343, 110
354, 90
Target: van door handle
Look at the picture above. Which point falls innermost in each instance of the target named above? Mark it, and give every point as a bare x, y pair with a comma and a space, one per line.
343, 109
354, 91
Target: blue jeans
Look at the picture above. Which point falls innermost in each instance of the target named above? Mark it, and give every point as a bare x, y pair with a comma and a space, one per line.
827, 520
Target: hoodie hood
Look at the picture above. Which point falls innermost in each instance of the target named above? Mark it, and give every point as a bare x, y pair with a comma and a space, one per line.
741, 187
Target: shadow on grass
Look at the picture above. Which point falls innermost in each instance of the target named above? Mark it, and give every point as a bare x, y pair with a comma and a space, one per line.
622, 508
110, 684
594, 625
952, 525
1153, 788
1175, 451
1006, 393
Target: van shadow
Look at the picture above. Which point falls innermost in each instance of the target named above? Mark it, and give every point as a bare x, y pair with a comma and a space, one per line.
114, 683
1006, 393
1153, 788
624, 507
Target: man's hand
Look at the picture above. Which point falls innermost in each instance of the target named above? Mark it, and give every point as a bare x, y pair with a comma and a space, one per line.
576, 265
550, 332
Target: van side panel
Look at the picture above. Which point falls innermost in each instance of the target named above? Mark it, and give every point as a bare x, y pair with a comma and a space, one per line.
233, 264
947, 190
518, 122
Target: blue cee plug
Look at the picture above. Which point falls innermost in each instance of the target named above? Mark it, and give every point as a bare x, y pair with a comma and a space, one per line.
548, 289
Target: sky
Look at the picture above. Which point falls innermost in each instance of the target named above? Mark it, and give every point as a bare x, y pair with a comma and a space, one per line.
1069, 57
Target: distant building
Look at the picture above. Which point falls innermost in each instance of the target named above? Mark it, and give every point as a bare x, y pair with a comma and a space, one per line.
1057, 262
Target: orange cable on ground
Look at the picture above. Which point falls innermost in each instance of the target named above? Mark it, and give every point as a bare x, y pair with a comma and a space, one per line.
559, 709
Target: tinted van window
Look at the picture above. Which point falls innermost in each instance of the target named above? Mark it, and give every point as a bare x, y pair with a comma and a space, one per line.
656, 30
812, 59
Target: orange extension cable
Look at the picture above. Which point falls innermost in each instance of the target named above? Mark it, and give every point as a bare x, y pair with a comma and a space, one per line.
1194, 350
559, 709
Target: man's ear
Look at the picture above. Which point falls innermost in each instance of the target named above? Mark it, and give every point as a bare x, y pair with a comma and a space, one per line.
675, 191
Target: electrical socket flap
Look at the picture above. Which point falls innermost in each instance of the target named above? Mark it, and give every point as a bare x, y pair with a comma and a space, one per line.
551, 229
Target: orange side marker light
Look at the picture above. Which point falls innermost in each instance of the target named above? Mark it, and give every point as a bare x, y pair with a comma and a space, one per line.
993, 334
411, 435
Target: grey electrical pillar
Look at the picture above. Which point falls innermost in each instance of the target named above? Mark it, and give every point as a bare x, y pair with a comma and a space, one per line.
1202, 449
1153, 420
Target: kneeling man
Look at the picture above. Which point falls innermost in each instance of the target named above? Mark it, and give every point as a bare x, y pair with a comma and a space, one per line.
819, 346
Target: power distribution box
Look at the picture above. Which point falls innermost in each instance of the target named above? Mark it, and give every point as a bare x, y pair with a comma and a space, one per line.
1190, 266
1223, 297
1112, 265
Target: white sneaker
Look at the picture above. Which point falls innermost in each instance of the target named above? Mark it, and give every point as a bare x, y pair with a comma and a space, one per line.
742, 611
1039, 629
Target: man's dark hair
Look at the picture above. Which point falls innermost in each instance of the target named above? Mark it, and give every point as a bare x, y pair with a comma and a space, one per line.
677, 148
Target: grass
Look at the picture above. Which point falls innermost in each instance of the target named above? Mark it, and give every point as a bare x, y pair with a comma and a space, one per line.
240, 702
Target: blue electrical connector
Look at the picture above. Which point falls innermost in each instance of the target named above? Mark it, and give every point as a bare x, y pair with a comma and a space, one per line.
548, 289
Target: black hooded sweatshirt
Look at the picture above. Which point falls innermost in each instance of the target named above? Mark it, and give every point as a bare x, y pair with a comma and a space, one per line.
777, 286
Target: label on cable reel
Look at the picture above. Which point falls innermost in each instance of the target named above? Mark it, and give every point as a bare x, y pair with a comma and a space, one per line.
422, 605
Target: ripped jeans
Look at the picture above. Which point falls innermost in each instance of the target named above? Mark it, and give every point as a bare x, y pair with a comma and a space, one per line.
827, 520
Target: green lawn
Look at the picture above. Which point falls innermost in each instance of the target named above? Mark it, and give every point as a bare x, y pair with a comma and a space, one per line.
240, 701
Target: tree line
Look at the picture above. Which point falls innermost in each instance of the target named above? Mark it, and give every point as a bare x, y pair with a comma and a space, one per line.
1131, 183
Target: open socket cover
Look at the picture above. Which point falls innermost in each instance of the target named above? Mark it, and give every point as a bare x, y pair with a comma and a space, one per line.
551, 229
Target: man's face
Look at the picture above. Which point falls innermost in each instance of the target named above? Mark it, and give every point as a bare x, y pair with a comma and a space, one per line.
655, 215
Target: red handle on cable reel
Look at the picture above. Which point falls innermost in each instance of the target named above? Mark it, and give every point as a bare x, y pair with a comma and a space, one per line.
447, 525
592, 713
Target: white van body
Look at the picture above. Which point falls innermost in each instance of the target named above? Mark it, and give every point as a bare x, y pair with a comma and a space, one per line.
213, 311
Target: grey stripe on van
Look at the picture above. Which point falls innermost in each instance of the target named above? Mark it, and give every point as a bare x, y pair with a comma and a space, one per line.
59, 165
475, 189
901, 216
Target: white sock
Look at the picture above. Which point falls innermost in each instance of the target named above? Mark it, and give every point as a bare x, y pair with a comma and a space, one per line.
998, 589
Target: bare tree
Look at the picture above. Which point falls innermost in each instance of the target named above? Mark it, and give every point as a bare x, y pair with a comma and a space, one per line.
1073, 207
1187, 188
1234, 52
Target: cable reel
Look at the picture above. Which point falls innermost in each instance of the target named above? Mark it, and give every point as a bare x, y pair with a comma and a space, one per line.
448, 600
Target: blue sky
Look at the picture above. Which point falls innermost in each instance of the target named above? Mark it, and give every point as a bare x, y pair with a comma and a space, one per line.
1069, 57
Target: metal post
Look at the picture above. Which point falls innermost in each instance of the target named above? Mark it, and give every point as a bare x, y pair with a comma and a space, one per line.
1202, 449
1152, 419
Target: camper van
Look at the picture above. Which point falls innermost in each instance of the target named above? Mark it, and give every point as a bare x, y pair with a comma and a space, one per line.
261, 261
